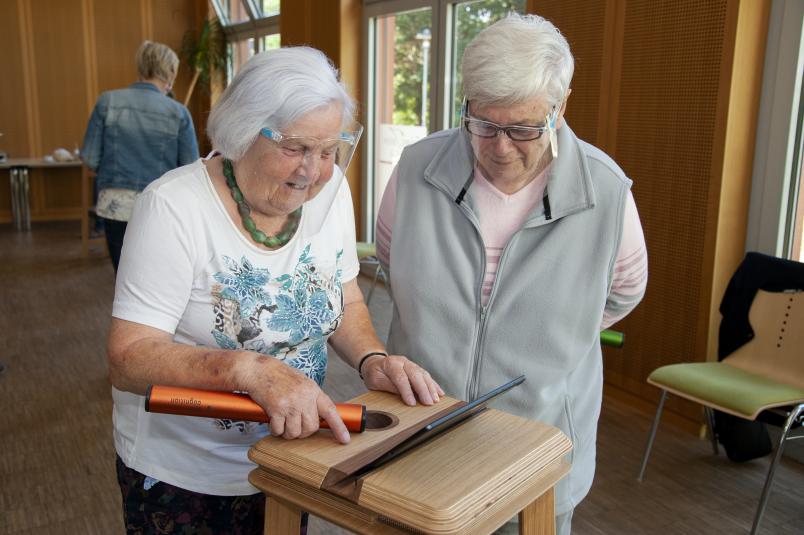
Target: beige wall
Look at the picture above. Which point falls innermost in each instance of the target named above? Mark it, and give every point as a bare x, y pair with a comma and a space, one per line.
59, 56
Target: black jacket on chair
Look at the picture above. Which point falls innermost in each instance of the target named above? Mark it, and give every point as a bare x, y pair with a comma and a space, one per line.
756, 272
742, 439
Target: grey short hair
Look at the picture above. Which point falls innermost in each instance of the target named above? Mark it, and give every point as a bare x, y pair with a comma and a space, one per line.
517, 58
155, 60
274, 89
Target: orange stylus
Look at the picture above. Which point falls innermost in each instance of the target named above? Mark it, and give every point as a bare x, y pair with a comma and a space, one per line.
213, 404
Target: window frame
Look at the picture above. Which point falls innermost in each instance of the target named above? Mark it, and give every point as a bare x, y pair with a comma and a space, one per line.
257, 27
439, 83
778, 148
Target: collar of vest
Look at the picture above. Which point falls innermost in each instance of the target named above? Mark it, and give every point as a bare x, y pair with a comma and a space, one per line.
569, 182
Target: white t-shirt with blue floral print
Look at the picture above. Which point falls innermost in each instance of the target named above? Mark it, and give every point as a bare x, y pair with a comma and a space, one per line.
188, 270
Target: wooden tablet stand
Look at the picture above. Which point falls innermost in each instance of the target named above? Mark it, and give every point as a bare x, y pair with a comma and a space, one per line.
471, 479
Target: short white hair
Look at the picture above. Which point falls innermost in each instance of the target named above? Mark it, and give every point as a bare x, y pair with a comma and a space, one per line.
517, 58
274, 89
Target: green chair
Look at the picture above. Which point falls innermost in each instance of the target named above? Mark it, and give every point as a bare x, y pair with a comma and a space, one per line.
763, 377
367, 254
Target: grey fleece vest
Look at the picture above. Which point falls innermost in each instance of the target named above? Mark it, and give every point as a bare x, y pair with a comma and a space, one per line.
545, 309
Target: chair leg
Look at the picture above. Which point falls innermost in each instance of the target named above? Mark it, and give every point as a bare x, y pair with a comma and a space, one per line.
763, 500
373, 284
710, 423
652, 435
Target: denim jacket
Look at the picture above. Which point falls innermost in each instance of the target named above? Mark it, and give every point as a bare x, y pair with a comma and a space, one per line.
135, 135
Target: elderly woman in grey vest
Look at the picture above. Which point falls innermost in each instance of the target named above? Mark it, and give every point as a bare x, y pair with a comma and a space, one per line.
237, 271
510, 243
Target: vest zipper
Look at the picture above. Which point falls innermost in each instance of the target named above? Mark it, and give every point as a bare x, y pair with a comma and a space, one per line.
472, 385
474, 378
474, 382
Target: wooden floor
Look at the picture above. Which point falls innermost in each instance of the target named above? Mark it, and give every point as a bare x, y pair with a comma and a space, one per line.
57, 458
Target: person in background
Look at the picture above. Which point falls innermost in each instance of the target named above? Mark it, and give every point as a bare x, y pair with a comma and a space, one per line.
510, 243
134, 136
237, 271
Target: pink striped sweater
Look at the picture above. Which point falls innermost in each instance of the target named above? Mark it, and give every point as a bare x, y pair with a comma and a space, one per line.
501, 215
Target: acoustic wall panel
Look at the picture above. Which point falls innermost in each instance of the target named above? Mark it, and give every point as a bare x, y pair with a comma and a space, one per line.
582, 23
669, 91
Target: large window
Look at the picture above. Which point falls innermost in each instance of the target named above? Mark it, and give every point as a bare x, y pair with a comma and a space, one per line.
776, 221
413, 76
251, 26
402, 74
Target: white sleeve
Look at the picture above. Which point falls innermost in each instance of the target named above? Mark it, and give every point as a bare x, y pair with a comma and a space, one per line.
155, 276
350, 264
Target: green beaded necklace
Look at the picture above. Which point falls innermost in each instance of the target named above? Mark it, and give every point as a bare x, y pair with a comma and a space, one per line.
274, 242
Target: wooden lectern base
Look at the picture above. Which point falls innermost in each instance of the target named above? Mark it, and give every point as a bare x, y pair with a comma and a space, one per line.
471, 479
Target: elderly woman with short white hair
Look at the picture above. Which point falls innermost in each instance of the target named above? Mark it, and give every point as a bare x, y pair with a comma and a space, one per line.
538, 245
236, 272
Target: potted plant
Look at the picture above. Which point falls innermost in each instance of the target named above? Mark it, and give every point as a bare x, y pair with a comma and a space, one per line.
205, 54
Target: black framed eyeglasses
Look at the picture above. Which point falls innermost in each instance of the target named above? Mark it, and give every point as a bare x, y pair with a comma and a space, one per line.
488, 129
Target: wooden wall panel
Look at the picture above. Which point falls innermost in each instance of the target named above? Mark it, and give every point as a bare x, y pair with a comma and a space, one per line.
59, 68
677, 85
58, 192
170, 21
733, 158
13, 119
12, 84
582, 24
60, 55
334, 28
118, 35
669, 94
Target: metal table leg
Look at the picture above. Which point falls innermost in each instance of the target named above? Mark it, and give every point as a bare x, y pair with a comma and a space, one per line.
25, 199
20, 205
15, 209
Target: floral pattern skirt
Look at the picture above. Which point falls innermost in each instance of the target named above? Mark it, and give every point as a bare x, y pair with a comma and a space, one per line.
165, 509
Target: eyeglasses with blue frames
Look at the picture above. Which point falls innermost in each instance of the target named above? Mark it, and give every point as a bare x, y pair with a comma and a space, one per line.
337, 151
515, 132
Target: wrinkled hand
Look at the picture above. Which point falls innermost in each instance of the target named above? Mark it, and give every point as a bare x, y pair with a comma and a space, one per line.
399, 375
294, 402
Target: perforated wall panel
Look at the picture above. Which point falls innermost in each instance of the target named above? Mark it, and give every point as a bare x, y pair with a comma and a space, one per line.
581, 22
671, 65
664, 61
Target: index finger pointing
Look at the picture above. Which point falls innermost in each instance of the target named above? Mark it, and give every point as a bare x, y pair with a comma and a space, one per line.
329, 413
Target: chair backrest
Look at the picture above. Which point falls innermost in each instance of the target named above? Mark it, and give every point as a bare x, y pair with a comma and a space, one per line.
777, 349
